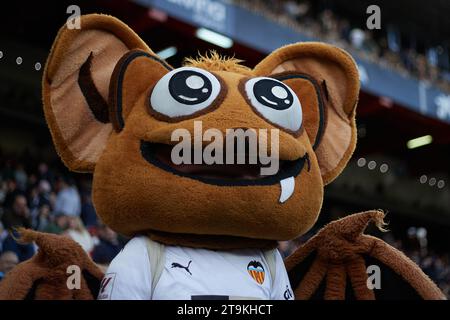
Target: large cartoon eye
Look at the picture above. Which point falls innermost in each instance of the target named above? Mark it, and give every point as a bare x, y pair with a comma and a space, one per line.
183, 92
275, 101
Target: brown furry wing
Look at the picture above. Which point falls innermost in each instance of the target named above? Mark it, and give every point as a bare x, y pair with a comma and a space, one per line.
45, 276
333, 265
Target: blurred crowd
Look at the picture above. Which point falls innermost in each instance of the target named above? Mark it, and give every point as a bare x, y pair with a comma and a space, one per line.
415, 246
40, 198
385, 46
48, 199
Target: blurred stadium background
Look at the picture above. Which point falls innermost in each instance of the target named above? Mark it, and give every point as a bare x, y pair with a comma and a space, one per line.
402, 161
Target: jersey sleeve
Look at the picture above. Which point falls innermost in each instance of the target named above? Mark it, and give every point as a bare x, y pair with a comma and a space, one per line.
281, 289
129, 275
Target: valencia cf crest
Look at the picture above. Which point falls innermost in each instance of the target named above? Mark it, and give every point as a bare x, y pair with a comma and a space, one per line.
256, 271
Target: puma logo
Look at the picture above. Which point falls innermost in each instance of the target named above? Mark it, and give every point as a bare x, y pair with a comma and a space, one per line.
177, 265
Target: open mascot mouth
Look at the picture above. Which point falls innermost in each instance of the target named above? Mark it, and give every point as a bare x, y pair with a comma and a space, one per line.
159, 155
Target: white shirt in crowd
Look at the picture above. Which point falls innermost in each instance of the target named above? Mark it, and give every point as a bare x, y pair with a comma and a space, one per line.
194, 274
83, 238
68, 202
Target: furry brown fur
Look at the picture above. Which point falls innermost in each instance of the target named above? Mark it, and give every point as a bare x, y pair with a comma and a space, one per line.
215, 62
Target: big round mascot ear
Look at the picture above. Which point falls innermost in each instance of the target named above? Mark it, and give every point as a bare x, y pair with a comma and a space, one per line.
76, 86
336, 81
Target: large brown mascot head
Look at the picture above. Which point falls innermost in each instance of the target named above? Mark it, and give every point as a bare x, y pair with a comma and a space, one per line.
112, 106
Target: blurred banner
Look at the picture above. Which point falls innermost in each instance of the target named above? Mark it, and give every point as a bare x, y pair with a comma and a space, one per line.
262, 34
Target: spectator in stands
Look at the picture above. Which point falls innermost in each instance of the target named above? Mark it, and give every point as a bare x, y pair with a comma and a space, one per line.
409, 58
67, 198
3, 235
18, 215
79, 234
58, 223
39, 197
43, 218
88, 214
33, 204
21, 178
11, 192
3, 191
44, 189
357, 38
7, 170
293, 9
44, 173
428, 266
286, 248
108, 246
23, 251
8, 260
369, 45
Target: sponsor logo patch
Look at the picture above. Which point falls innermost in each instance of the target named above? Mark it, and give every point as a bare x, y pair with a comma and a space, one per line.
106, 286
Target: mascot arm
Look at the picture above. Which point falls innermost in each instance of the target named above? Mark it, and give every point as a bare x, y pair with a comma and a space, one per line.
60, 270
341, 262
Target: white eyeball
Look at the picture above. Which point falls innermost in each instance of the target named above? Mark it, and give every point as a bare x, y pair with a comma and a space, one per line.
184, 92
275, 101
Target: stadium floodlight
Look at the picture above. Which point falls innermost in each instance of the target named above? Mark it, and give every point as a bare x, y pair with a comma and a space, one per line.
167, 52
214, 38
419, 142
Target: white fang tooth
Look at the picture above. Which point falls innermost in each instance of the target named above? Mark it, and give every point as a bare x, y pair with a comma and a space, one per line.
287, 188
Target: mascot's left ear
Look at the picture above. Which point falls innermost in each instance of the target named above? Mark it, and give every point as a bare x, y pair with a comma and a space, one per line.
80, 94
326, 80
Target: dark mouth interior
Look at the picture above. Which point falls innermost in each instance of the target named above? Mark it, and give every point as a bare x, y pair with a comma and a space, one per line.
220, 174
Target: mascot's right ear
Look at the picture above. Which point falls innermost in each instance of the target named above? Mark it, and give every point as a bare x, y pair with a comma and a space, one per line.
76, 86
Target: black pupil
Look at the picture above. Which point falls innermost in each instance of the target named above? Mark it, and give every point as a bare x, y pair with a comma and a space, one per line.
273, 94
190, 87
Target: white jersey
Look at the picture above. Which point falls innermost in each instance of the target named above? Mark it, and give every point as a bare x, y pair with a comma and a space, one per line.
191, 273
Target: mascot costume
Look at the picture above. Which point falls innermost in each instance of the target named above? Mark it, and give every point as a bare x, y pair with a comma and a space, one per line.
206, 231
